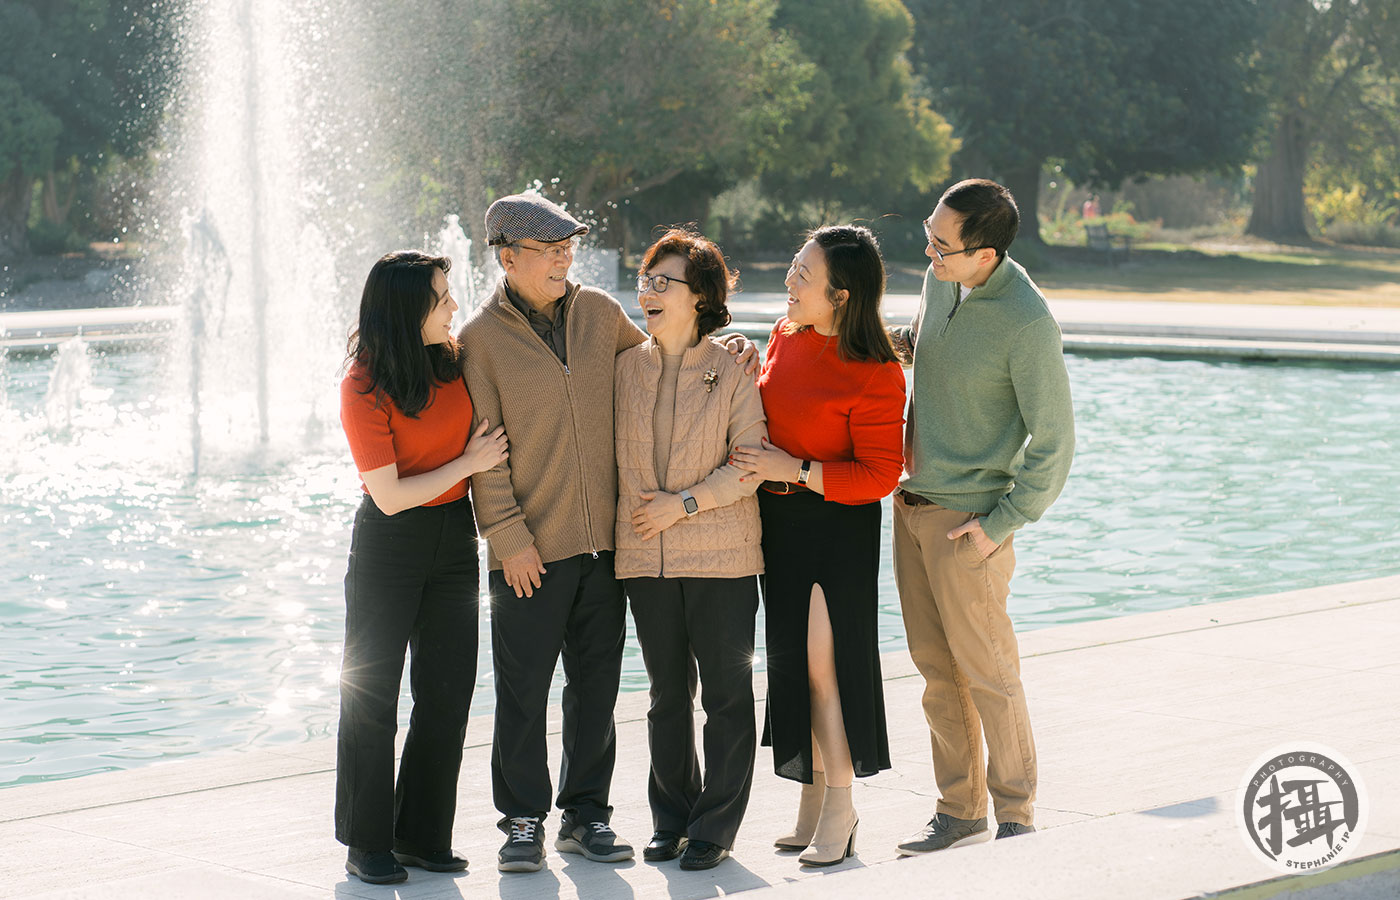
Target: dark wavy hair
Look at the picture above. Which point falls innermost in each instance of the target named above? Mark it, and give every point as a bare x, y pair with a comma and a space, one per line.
853, 264
710, 277
388, 343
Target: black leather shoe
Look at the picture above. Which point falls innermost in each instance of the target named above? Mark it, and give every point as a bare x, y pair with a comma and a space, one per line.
435, 861
703, 855
664, 845
374, 866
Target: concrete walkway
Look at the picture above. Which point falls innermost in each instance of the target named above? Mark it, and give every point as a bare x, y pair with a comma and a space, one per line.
1145, 724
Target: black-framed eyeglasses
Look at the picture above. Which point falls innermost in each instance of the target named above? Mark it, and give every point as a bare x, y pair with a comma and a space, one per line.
942, 255
657, 283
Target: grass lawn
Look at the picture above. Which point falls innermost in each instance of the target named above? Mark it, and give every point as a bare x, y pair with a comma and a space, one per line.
1243, 271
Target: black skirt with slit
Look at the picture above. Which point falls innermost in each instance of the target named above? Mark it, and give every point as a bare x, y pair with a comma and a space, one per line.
809, 540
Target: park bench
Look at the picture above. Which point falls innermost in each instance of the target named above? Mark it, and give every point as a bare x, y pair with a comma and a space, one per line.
1098, 237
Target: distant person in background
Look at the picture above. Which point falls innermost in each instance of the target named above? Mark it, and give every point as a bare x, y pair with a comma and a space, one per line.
1090, 210
987, 450
834, 397
539, 355
412, 581
688, 546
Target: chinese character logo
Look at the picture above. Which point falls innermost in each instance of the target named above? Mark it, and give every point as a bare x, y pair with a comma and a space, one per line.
1302, 807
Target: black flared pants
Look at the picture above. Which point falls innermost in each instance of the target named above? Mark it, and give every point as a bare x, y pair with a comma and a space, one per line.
412, 584
704, 626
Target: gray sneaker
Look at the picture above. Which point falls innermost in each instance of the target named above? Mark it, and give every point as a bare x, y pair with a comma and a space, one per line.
1012, 829
595, 840
523, 850
944, 831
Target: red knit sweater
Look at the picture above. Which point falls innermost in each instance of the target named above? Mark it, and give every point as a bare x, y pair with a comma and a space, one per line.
380, 434
849, 416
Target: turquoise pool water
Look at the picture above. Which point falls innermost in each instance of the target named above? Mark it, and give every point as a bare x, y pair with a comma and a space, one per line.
146, 615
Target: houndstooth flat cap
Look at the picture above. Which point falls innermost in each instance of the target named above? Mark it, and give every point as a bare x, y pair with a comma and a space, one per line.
529, 217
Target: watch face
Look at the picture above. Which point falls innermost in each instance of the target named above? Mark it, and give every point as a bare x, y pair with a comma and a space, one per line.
692, 506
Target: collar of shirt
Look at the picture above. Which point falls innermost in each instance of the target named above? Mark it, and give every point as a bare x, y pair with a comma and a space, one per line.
532, 315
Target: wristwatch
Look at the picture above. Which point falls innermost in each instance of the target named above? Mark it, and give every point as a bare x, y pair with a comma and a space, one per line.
692, 506
805, 472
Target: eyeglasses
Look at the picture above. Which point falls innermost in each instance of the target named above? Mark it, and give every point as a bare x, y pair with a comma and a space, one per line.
561, 250
944, 255
657, 283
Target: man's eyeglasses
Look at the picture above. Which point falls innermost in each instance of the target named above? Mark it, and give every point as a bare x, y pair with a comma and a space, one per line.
657, 283
942, 255
561, 250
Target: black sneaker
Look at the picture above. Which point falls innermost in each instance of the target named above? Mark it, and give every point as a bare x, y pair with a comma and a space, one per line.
944, 831
523, 850
374, 866
1012, 829
595, 840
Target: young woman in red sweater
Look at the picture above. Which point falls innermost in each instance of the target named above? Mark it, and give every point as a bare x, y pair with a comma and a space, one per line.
412, 578
834, 397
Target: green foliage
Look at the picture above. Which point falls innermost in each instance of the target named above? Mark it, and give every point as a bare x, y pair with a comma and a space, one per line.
88, 65
1332, 71
1113, 88
598, 99
54, 237
79, 81
863, 137
1352, 206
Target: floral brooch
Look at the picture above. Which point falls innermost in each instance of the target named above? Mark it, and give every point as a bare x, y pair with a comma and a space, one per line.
710, 378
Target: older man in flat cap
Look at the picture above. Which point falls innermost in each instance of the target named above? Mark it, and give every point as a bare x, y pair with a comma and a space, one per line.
538, 358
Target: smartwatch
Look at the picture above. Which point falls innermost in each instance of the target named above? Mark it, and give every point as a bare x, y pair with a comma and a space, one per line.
692, 506
805, 472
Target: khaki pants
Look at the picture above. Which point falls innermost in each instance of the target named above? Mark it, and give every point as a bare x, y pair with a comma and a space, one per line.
963, 644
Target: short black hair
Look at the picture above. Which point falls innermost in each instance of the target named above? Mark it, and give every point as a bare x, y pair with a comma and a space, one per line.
990, 217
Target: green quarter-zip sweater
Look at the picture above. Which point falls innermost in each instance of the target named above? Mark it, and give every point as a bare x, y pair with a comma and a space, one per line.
989, 373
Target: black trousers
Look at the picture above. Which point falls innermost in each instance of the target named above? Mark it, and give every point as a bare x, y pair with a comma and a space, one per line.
578, 610
685, 624
412, 583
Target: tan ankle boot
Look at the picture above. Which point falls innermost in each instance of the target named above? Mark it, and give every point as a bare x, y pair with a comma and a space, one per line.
808, 811
835, 838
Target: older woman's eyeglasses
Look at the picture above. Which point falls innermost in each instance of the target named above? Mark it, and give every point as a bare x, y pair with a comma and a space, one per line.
657, 283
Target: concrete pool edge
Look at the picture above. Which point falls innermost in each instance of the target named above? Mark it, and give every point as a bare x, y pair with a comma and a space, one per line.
1153, 328
1092, 798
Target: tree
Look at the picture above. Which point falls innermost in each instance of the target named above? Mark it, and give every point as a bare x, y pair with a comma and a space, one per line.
1326, 63
863, 138
78, 79
1111, 88
597, 99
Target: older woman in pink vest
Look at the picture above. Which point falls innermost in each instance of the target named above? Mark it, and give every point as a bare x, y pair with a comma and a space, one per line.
688, 545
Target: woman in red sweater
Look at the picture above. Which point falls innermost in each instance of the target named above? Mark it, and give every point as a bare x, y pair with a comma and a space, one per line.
412, 577
834, 397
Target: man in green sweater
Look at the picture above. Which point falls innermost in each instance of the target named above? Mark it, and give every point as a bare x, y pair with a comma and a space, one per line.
988, 445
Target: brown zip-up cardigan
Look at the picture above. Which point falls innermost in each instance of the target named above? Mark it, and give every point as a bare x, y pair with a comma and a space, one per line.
558, 488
